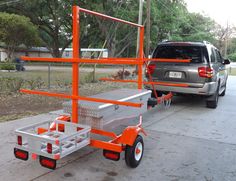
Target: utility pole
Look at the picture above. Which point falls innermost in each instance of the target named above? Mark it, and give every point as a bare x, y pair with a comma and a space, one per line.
140, 20
226, 39
148, 29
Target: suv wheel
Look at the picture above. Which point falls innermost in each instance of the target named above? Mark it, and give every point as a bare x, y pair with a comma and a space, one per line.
223, 93
213, 101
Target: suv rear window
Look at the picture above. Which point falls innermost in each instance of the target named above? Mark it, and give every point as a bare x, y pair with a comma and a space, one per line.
179, 52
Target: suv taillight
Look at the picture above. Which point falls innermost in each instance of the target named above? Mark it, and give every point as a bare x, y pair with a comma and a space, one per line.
206, 72
151, 68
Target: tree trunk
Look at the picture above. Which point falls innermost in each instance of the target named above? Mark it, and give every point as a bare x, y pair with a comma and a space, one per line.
56, 53
10, 51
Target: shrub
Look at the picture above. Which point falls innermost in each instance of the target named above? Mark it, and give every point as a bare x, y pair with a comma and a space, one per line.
89, 78
121, 74
7, 66
63, 83
11, 84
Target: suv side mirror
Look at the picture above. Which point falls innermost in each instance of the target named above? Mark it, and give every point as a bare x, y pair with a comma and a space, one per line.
226, 61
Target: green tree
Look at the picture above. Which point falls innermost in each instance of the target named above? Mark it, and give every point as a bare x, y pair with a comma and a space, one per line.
53, 19
232, 57
17, 30
117, 37
172, 21
199, 28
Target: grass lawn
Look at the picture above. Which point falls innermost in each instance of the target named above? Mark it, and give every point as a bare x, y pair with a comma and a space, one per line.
15, 105
233, 71
56, 77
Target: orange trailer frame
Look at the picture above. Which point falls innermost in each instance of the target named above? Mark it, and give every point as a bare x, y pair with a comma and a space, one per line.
130, 133
117, 142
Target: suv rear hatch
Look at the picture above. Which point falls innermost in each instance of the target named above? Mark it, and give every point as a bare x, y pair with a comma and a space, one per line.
180, 72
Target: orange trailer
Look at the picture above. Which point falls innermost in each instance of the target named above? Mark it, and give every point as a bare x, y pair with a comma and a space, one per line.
50, 141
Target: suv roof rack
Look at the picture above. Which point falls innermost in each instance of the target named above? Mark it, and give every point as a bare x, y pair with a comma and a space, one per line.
206, 42
165, 40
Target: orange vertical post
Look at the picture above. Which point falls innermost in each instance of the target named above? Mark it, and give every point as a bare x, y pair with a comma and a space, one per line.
141, 58
75, 65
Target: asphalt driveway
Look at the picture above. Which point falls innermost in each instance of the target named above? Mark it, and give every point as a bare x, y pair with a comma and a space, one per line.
185, 142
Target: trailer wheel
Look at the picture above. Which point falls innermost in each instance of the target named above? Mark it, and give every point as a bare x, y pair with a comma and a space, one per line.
134, 154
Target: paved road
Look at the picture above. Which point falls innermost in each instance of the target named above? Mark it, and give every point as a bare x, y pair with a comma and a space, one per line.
187, 142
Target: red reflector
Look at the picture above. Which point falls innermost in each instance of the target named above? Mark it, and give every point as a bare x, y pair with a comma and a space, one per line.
151, 68
206, 72
48, 162
21, 154
115, 156
19, 140
111, 156
34, 156
49, 148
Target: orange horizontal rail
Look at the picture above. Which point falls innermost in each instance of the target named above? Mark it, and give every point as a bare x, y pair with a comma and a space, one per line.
65, 96
110, 61
128, 61
49, 94
131, 61
123, 58
44, 59
151, 83
109, 17
167, 60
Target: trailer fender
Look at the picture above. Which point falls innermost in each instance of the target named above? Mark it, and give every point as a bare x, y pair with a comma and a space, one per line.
130, 134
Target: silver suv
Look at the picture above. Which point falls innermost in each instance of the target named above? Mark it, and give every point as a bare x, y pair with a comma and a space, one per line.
205, 75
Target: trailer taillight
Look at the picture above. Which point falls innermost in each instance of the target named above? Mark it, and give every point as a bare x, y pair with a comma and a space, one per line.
49, 148
111, 155
21, 154
19, 140
206, 72
48, 162
151, 68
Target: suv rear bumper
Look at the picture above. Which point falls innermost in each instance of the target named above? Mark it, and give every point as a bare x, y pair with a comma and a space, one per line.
207, 89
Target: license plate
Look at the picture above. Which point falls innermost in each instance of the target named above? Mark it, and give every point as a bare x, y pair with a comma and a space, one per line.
177, 75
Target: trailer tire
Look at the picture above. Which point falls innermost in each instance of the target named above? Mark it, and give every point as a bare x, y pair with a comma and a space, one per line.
134, 154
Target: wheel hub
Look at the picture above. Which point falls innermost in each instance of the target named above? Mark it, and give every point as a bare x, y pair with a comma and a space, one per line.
138, 151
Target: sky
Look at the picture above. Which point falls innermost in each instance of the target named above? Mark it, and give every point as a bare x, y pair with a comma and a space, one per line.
220, 11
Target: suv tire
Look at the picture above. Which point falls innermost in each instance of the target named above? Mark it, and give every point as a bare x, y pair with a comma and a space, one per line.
212, 103
223, 93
